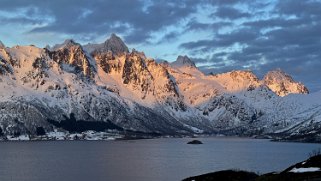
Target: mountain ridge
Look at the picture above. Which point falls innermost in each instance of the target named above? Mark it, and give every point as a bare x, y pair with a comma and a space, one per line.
105, 83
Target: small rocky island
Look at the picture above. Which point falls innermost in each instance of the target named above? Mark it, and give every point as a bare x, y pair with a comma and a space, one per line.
195, 142
307, 170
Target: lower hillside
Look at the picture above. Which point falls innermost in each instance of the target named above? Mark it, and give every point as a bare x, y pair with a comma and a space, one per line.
308, 170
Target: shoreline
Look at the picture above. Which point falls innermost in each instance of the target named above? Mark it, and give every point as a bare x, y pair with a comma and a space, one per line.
120, 137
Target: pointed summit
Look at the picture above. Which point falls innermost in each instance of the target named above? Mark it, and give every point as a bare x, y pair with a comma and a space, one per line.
283, 84
182, 61
69, 42
115, 44
113, 36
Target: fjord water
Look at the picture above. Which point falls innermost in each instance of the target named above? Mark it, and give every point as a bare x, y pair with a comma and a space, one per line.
151, 159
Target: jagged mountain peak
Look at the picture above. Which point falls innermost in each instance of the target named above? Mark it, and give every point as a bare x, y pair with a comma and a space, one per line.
113, 36
278, 73
69, 41
240, 74
236, 80
115, 44
135, 92
182, 61
134, 52
66, 44
73, 54
248, 72
164, 63
283, 84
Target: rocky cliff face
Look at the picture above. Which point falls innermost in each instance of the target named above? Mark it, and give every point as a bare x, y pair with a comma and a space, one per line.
283, 84
236, 81
72, 53
5, 67
107, 61
106, 87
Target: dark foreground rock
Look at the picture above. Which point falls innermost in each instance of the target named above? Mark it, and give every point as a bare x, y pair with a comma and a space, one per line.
308, 170
195, 142
226, 175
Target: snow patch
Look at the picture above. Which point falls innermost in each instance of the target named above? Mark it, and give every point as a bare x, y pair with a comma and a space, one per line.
302, 170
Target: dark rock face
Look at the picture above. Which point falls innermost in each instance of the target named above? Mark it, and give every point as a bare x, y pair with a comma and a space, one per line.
107, 61
234, 108
76, 126
4, 67
227, 175
136, 73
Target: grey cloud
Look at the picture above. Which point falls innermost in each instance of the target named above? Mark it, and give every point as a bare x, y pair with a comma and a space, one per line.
138, 35
274, 22
299, 8
222, 40
223, 2
21, 20
197, 44
231, 13
173, 35
194, 25
103, 15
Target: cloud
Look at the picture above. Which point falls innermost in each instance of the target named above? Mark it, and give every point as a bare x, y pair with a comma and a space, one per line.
299, 8
194, 25
223, 40
99, 17
231, 13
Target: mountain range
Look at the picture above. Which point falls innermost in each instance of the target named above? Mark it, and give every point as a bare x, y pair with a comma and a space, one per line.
105, 88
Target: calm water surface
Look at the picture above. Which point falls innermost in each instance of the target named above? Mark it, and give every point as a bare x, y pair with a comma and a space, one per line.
154, 159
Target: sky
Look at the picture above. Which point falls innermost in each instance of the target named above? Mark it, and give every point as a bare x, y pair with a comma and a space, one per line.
218, 35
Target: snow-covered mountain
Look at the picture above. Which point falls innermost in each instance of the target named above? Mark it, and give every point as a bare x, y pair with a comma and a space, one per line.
113, 44
283, 84
104, 87
182, 61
